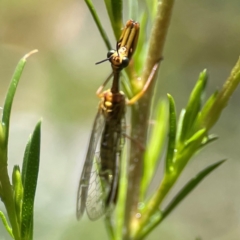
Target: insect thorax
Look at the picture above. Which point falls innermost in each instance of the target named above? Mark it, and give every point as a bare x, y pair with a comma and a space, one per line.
112, 103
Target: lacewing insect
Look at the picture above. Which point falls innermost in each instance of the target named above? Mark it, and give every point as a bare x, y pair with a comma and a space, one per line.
98, 186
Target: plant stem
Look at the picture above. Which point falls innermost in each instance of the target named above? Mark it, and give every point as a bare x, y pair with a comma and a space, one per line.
158, 37
98, 23
8, 196
140, 115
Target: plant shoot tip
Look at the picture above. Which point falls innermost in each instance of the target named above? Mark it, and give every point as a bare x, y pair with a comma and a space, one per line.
30, 53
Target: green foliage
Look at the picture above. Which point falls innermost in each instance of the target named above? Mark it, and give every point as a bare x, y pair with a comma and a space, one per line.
193, 107
98, 23
171, 136
114, 9
137, 213
189, 187
155, 146
159, 216
29, 178
18, 198
5, 224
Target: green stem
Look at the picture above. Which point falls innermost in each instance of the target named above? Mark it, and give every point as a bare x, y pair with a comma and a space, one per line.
140, 115
180, 160
5, 223
98, 23
158, 37
8, 197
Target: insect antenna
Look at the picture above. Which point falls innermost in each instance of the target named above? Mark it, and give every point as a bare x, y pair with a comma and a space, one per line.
104, 60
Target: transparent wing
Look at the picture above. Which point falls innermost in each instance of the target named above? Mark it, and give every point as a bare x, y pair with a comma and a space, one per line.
104, 179
119, 140
90, 184
97, 191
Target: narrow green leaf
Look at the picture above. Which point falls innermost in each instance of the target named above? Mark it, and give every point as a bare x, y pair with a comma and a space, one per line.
98, 23
133, 9
223, 97
17, 191
109, 227
5, 224
180, 125
189, 187
155, 146
159, 216
31, 165
2, 137
117, 7
171, 135
114, 9
205, 110
141, 50
11, 93
196, 138
209, 102
193, 106
152, 8
209, 139
25, 160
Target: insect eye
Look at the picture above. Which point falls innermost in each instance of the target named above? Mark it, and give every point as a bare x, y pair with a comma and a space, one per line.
110, 53
125, 62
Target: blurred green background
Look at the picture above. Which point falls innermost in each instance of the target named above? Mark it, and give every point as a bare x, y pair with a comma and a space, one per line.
59, 84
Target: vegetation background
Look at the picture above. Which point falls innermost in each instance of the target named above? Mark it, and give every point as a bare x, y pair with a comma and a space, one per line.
59, 84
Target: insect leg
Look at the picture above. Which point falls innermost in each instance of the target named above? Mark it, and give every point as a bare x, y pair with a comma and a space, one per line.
100, 89
145, 87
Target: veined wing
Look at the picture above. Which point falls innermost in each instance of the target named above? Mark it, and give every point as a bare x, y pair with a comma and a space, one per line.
104, 179
89, 181
97, 191
111, 147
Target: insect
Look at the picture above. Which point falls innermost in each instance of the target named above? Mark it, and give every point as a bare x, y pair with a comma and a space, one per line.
98, 186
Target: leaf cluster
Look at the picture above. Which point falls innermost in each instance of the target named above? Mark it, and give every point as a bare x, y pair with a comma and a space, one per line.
18, 196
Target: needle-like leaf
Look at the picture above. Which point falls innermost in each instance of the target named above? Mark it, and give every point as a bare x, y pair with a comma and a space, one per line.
11, 93
155, 146
98, 23
5, 224
171, 134
114, 9
189, 187
30, 175
193, 106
